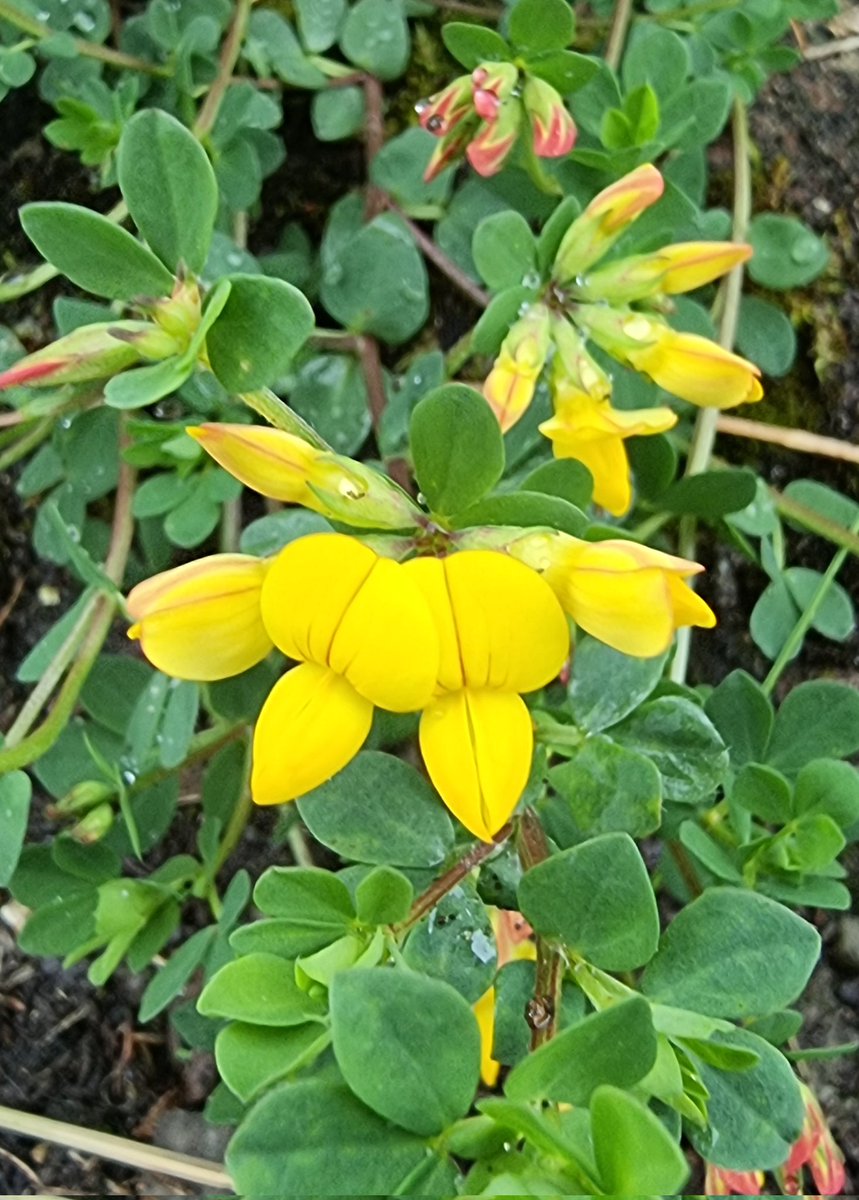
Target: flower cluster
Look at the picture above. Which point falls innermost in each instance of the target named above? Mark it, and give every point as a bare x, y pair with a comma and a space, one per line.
588, 303
458, 639
483, 114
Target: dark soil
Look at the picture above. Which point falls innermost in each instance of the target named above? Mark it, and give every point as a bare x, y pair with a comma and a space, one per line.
76, 1053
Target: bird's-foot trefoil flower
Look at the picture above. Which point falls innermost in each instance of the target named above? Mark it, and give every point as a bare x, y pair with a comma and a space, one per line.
593, 432
627, 595
719, 1181
608, 215
362, 634
510, 385
553, 129
203, 620
490, 146
90, 352
685, 364
500, 635
681, 267
285, 467
816, 1149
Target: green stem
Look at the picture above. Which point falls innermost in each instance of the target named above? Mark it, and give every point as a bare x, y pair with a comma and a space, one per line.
266, 404
704, 435
814, 521
115, 58
239, 818
28, 440
806, 618
230, 51
617, 33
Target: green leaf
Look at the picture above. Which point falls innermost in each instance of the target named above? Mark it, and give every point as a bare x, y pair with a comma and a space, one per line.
375, 37
169, 186
614, 1046
457, 447
830, 787
145, 385
707, 850
823, 499
711, 494
261, 327
15, 793
787, 254
766, 336
473, 44
597, 898
259, 989
269, 534
753, 1116
562, 477
505, 250
717, 955
336, 1146
524, 509
376, 281
635, 1153
456, 944
819, 719
379, 809
414, 1055
743, 714
564, 70
329, 391
540, 24
604, 788
251, 1058
835, 617
400, 165
656, 56
338, 113
272, 46
679, 739
180, 719
606, 686
172, 977
383, 897
319, 22
94, 253
764, 792
311, 899
61, 926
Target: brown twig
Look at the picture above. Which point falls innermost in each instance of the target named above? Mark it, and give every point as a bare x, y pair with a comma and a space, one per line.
544, 1009
439, 259
790, 439
686, 868
427, 900
229, 57
17, 589
374, 140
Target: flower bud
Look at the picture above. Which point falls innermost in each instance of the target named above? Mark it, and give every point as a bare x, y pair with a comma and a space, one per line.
552, 127
493, 82
90, 352
494, 140
94, 826
180, 314
84, 795
450, 147
444, 111
593, 233
510, 384
573, 366
285, 467
679, 268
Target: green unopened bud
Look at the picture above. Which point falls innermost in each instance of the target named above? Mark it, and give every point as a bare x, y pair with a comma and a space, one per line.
572, 365
94, 826
180, 314
90, 352
83, 796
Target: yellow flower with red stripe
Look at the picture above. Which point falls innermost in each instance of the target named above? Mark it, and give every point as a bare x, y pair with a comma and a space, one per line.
510, 384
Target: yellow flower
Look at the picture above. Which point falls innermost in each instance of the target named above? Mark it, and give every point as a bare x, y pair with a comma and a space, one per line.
363, 635
593, 233
509, 387
500, 635
685, 364
681, 267
202, 621
513, 938
591, 431
285, 467
622, 593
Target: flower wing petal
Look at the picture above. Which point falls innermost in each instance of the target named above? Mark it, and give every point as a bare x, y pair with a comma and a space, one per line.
312, 724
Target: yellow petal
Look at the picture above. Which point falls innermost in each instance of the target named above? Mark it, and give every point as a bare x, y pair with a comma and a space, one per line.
270, 461
309, 586
386, 644
689, 608
689, 265
698, 370
499, 625
203, 620
484, 1010
477, 746
606, 460
312, 724
509, 390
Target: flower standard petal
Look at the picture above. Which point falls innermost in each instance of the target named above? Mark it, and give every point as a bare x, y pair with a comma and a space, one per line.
270, 461
698, 370
203, 620
312, 724
477, 746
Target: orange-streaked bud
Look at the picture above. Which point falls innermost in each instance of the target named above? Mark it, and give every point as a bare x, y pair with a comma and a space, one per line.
285, 467
90, 352
493, 83
94, 826
816, 1149
444, 111
202, 620
685, 364
552, 127
721, 1182
510, 385
489, 148
678, 268
593, 233
622, 593
450, 148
